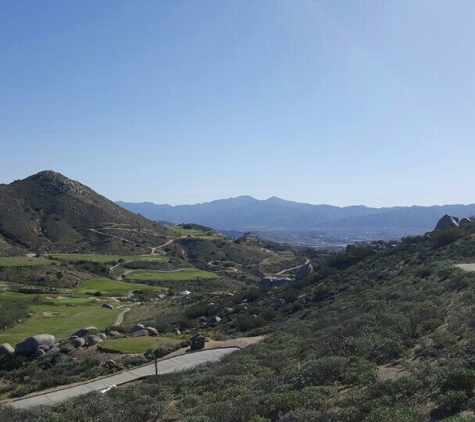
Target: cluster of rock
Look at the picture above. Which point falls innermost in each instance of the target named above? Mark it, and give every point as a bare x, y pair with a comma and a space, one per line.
141, 330
35, 346
449, 222
46, 344
86, 337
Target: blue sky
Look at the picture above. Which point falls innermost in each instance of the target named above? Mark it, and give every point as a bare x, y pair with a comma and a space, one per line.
180, 102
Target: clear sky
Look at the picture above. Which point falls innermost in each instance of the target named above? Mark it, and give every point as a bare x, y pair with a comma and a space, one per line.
339, 101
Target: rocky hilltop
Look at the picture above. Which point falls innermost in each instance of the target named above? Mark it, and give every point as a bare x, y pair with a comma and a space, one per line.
48, 212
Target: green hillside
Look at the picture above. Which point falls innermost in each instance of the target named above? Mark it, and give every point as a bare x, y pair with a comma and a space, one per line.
383, 335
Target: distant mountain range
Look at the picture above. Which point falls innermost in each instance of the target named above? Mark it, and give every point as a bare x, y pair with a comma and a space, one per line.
286, 220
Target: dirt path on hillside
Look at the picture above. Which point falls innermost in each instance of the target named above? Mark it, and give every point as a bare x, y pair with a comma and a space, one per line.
307, 261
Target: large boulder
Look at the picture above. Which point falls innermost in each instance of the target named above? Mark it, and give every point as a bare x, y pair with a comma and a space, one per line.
138, 327
140, 333
304, 271
197, 342
107, 305
28, 346
88, 331
6, 349
447, 222
78, 342
39, 353
464, 222
92, 340
152, 331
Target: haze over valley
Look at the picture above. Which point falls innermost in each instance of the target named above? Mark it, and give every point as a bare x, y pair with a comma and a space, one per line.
322, 226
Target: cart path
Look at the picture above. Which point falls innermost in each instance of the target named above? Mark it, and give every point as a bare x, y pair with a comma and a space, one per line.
120, 317
166, 366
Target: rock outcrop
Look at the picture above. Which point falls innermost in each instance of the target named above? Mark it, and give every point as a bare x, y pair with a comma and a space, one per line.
140, 333
152, 331
138, 327
447, 222
78, 342
31, 344
304, 271
88, 331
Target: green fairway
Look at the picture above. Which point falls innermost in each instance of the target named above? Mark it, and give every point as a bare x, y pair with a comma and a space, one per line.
194, 233
112, 287
103, 259
43, 298
148, 258
272, 261
15, 297
61, 321
25, 261
186, 274
88, 257
139, 344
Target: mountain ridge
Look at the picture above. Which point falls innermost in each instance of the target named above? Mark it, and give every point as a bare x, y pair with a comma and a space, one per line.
278, 214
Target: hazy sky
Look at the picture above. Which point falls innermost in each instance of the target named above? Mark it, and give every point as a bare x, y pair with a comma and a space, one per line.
336, 102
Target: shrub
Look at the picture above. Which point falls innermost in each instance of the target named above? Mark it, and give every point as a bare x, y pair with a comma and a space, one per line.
403, 414
452, 399
446, 237
459, 380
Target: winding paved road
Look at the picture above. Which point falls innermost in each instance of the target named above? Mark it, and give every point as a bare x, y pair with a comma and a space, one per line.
166, 366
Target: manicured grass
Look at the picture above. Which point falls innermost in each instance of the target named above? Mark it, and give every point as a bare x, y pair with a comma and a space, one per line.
277, 259
68, 320
111, 287
42, 298
108, 258
25, 261
194, 233
87, 257
271, 261
15, 297
186, 274
148, 258
139, 344
75, 301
